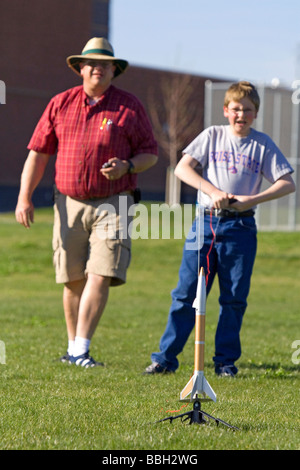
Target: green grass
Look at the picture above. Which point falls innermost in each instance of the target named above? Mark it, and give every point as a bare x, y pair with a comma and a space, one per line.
48, 405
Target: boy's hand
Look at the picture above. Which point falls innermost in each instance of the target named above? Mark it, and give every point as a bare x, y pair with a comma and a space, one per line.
222, 200
241, 203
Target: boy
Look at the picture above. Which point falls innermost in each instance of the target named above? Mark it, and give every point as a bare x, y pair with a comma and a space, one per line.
233, 159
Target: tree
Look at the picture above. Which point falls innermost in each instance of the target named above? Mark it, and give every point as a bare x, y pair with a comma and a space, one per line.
176, 119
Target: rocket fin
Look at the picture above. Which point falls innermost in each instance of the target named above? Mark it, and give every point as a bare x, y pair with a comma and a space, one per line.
208, 390
187, 389
196, 386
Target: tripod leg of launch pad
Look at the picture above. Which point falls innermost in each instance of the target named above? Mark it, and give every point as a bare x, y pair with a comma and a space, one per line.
196, 416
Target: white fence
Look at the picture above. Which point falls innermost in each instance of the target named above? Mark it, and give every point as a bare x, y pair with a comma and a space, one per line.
279, 117
2, 92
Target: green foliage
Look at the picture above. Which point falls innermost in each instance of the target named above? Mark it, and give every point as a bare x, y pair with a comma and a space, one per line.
48, 405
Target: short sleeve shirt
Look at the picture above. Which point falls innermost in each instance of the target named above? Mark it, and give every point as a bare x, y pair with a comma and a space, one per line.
234, 164
86, 136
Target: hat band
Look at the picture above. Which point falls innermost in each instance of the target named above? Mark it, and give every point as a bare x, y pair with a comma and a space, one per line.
98, 51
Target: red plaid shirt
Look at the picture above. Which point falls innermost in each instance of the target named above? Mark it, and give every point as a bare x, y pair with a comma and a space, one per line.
86, 136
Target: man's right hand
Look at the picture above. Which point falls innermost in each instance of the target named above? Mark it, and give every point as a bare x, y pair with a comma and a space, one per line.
25, 213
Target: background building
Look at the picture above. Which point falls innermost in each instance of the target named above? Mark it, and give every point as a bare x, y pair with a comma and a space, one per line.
34, 44
36, 36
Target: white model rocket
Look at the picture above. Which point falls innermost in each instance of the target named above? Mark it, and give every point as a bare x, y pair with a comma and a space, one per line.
198, 388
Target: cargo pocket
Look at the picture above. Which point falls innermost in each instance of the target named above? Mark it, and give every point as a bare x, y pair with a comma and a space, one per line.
120, 257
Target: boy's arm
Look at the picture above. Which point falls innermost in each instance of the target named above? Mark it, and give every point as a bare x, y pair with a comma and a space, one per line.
185, 171
283, 186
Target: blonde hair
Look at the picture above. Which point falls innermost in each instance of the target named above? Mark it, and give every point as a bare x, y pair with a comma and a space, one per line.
240, 90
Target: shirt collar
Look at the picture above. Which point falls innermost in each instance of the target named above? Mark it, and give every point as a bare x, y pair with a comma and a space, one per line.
85, 97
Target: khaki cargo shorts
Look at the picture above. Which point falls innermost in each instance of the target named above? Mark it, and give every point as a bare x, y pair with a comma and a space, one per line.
91, 236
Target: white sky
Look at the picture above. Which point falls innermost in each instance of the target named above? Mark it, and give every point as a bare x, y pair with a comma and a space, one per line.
256, 40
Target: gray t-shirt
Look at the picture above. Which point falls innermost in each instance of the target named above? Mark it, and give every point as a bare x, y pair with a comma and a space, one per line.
234, 164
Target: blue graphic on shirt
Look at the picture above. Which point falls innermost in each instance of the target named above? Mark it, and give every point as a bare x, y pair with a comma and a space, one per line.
232, 169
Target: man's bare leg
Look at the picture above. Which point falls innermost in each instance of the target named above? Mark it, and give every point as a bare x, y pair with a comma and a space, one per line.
71, 301
92, 303
84, 302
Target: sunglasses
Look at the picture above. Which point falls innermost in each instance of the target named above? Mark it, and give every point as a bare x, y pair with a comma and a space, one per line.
97, 63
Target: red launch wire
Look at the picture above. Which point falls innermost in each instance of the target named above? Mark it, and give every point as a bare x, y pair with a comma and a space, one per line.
210, 248
176, 411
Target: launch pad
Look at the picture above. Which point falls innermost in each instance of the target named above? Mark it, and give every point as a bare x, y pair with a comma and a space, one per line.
197, 416
198, 389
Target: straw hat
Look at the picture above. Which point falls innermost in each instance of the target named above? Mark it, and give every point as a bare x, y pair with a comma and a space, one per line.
100, 49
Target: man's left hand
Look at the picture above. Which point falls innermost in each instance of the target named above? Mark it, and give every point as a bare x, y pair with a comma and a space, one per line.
116, 170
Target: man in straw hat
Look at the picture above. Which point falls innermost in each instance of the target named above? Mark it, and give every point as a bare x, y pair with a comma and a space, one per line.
89, 126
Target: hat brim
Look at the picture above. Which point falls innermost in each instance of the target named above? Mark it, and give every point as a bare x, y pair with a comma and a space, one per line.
74, 60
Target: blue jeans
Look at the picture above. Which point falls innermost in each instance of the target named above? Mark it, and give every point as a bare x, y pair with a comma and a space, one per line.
232, 257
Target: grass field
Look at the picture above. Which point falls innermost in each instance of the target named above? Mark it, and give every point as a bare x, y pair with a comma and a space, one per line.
48, 405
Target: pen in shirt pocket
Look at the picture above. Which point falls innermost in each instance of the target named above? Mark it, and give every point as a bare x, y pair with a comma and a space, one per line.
106, 123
